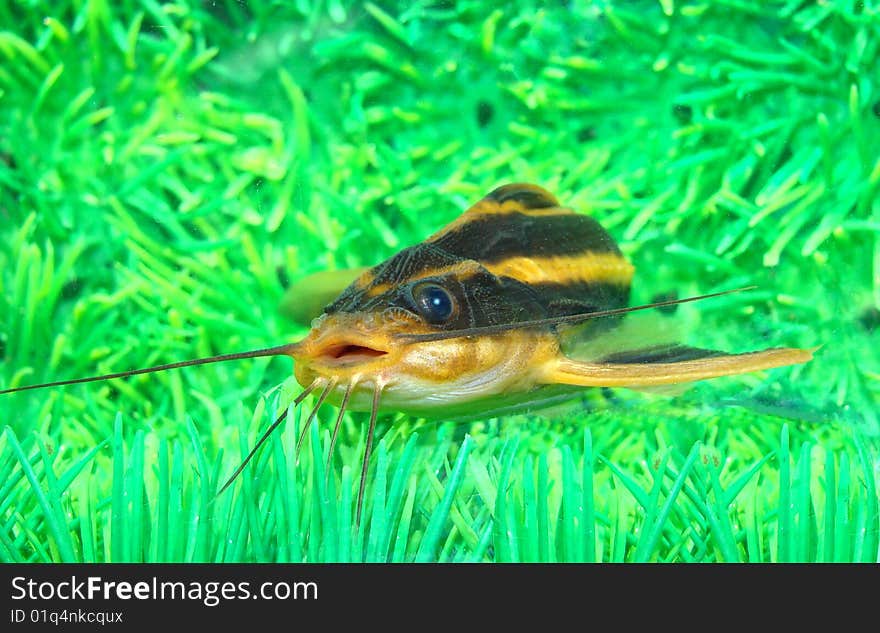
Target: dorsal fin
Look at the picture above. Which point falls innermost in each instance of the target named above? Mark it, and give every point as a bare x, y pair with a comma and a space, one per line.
525, 195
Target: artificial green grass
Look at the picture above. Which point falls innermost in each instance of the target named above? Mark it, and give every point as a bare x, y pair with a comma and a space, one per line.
166, 168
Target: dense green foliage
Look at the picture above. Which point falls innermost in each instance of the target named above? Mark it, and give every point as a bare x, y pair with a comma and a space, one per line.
167, 168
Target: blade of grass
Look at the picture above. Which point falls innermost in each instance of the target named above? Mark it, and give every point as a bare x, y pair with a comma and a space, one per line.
588, 517
56, 523
649, 539
784, 509
433, 532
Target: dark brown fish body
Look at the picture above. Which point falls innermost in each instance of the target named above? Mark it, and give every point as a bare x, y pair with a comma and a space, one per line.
516, 256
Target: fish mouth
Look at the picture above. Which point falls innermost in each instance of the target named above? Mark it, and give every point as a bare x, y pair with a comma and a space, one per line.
349, 353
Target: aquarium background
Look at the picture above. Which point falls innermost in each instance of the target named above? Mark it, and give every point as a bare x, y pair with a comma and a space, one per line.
167, 170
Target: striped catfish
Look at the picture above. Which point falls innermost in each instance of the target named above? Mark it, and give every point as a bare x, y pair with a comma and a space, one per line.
491, 314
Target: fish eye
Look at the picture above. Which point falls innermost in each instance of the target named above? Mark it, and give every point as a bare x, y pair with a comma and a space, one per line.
434, 303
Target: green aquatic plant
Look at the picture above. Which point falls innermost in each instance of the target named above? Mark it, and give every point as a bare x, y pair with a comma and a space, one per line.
480, 498
166, 168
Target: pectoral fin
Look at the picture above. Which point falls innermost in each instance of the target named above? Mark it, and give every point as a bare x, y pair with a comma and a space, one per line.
306, 298
666, 366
